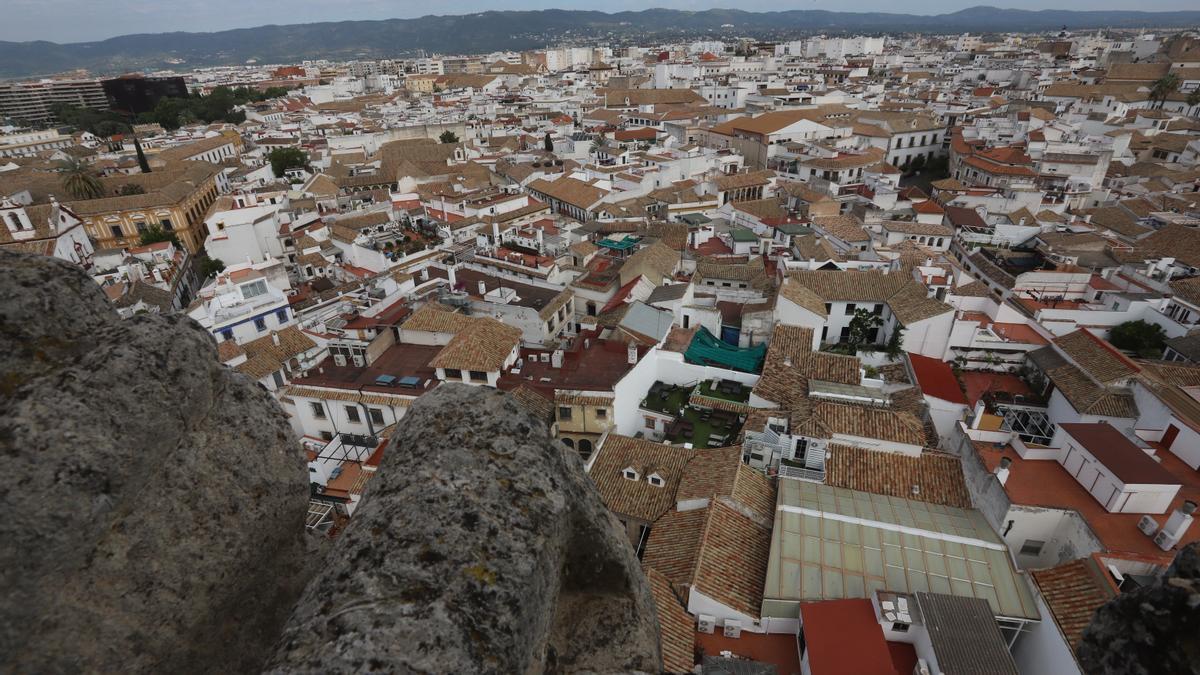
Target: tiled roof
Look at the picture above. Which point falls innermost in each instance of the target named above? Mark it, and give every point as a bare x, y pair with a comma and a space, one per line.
1096, 357
1187, 289
1073, 591
673, 542
803, 296
720, 473
743, 180
938, 476
436, 318
846, 228
907, 298
1175, 241
752, 271
877, 423
1080, 390
570, 190
730, 560
676, 628
533, 402
484, 345
638, 498
264, 357
790, 363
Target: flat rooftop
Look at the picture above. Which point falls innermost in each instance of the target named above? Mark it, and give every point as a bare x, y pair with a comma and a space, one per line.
1045, 483
400, 360
596, 368
534, 297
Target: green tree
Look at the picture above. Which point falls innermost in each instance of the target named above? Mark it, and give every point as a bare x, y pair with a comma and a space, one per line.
209, 267
283, 159
131, 189
79, 181
895, 343
862, 329
155, 234
1142, 338
597, 144
548, 143
1163, 87
448, 137
1193, 100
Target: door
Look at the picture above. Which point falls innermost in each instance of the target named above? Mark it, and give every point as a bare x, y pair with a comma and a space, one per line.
1169, 437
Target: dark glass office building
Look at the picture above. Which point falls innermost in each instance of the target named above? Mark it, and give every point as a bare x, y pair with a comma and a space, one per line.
140, 94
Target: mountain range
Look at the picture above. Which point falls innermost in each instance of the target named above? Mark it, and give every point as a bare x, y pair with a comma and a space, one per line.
490, 31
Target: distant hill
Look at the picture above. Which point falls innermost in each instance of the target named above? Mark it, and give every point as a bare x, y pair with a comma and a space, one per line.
490, 31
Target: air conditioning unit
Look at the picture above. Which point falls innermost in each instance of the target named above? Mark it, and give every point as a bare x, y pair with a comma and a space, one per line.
733, 629
706, 623
339, 359
1165, 541
359, 361
1148, 526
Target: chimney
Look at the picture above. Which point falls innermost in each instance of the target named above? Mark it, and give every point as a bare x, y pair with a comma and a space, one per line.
424, 274
556, 358
631, 354
1002, 470
275, 338
482, 288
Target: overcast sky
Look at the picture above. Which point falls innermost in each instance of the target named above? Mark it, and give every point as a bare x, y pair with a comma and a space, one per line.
86, 20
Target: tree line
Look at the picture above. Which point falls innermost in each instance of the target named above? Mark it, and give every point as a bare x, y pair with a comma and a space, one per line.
170, 112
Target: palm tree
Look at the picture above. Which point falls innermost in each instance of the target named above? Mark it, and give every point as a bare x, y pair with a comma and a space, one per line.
1164, 87
1193, 100
79, 181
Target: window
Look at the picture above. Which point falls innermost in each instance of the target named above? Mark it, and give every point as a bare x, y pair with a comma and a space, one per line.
850, 309
656, 480
352, 414
878, 311
116, 231
376, 415
261, 324
630, 474
326, 436
564, 413
227, 334
478, 376
601, 413
166, 224
900, 627
278, 378
282, 316
651, 422
453, 374
1032, 547
318, 410
254, 289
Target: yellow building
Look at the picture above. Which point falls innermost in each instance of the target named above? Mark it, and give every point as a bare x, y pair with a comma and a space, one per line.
175, 199
582, 420
420, 83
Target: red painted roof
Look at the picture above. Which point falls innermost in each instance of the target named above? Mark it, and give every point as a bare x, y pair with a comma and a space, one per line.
844, 638
1118, 454
936, 379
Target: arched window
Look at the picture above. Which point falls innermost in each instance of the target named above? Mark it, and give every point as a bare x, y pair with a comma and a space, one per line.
585, 448
570, 443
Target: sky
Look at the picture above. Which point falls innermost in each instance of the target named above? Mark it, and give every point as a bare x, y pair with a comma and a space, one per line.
87, 20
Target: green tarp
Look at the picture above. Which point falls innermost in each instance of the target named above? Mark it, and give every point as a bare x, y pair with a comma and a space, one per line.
707, 350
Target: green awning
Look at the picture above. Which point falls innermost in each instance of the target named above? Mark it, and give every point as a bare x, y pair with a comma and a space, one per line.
707, 350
